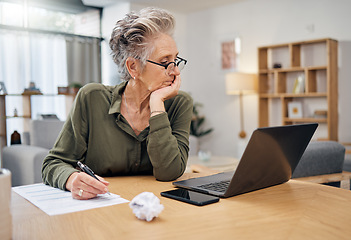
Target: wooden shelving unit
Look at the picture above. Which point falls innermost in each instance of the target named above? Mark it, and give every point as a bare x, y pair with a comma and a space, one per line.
316, 62
27, 111
3, 136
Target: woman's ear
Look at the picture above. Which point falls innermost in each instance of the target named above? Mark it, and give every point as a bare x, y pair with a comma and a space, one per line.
132, 66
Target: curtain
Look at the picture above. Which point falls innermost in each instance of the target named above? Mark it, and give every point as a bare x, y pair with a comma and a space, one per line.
83, 60
31, 57
48, 67
14, 54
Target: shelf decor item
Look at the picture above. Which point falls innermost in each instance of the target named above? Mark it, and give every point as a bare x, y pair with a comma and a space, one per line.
2, 89
320, 113
277, 65
15, 138
63, 90
295, 109
299, 85
31, 90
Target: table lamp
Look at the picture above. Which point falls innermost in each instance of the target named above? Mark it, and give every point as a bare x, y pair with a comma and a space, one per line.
240, 84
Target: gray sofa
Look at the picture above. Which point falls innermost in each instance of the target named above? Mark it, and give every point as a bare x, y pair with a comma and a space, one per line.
321, 157
25, 161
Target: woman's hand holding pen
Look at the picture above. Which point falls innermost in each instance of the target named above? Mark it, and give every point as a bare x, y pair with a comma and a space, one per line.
83, 187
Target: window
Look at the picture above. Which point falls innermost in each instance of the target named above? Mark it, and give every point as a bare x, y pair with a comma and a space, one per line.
31, 15
11, 14
40, 18
41, 41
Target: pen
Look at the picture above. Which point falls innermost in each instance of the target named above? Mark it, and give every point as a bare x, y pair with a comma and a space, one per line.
88, 171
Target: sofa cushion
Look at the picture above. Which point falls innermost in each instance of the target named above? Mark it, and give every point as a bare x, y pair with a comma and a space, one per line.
43, 133
24, 162
321, 157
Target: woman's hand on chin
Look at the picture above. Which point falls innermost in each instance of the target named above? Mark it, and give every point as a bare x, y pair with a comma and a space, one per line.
168, 91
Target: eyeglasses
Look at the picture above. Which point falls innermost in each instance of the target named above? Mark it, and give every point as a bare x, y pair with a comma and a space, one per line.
179, 62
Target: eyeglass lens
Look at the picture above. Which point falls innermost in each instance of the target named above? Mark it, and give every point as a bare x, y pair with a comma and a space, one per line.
180, 64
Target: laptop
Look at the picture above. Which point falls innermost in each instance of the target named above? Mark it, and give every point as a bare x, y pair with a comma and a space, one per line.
269, 159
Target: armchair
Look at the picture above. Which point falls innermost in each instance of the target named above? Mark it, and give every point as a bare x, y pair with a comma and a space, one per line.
321, 158
25, 161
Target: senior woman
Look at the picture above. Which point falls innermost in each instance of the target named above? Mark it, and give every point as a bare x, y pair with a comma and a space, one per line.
138, 127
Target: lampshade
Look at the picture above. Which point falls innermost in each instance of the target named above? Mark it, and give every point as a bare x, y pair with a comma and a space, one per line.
244, 83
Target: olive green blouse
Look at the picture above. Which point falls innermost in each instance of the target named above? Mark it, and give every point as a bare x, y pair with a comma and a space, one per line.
96, 133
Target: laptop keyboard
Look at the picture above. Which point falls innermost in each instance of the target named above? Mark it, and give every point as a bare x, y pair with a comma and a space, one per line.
217, 186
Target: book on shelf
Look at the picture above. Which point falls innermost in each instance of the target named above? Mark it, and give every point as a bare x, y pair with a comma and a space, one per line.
299, 85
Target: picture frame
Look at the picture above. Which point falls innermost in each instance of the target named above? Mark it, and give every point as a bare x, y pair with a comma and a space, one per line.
295, 110
229, 48
63, 90
228, 55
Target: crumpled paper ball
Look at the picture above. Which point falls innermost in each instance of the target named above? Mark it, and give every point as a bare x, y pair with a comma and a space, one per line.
146, 206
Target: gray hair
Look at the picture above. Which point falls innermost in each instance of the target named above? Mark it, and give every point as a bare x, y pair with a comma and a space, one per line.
132, 36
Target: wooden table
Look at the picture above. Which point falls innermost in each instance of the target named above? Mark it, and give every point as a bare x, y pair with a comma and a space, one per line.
293, 210
215, 163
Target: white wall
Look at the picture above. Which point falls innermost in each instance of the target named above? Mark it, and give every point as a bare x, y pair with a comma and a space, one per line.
258, 23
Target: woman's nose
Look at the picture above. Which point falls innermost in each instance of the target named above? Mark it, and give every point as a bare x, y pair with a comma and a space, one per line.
175, 71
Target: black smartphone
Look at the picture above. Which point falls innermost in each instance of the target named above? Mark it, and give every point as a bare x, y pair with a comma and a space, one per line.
191, 197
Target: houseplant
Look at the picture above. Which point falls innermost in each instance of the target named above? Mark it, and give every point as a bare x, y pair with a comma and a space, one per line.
197, 129
74, 87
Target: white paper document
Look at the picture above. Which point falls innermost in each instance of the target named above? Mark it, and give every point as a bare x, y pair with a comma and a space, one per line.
54, 201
